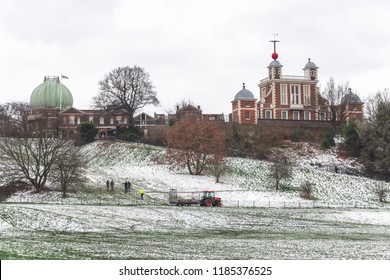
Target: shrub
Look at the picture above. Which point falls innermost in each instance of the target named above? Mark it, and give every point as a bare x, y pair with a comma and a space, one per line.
87, 132
381, 192
129, 134
328, 141
300, 134
307, 190
352, 140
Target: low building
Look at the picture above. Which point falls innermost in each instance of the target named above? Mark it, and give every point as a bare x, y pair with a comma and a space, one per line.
54, 114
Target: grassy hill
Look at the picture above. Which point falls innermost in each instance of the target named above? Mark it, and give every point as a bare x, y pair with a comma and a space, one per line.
93, 223
245, 184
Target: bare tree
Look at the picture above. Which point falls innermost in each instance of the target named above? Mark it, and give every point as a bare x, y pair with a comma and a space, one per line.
281, 169
14, 118
194, 144
371, 108
30, 159
128, 88
69, 169
381, 191
340, 99
217, 167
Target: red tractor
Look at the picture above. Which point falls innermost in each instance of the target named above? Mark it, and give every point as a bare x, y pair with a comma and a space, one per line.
209, 198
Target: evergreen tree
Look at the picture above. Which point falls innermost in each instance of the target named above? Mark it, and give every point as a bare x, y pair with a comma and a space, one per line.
375, 137
352, 140
87, 132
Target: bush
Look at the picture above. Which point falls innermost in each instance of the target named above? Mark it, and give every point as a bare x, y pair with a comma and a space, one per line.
381, 192
129, 134
87, 132
296, 135
352, 141
328, 141
300, 134
307, 190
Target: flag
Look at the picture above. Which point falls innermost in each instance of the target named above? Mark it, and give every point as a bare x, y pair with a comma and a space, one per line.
64, 77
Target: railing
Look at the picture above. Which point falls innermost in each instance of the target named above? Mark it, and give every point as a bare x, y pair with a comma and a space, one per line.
288, 77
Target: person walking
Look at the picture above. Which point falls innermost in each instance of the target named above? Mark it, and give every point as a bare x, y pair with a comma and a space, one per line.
112, 184
108, 184
141, 193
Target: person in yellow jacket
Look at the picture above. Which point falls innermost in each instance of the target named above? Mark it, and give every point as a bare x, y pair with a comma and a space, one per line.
141, 192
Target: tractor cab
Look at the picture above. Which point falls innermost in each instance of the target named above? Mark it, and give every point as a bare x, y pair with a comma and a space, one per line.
207, 193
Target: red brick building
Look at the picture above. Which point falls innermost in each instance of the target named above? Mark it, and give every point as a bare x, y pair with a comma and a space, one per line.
244, 107
289, 97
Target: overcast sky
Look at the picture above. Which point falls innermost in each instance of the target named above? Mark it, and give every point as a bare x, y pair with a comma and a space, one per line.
194, 50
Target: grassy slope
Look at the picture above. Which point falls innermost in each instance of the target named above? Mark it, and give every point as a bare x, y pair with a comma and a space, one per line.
33, 231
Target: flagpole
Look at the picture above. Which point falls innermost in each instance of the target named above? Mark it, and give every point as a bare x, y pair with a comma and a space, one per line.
61, 94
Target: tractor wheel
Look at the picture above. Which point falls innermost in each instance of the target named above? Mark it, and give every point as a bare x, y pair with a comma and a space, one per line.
219, 204
207, 202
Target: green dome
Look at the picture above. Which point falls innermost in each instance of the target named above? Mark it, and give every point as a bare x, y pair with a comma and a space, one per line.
51, 94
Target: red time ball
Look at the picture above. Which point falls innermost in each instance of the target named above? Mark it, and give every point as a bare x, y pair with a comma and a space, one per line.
275, 56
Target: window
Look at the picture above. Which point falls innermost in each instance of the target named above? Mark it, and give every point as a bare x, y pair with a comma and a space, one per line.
247, 116
90, 118
125, 120
101, 120
78, 120
71, 120
294, 94
306, 95
247, 105
307, 116
283, 95
112, 120
296, 115
268, 114
118, 119
321, 116
65, 120
284, 115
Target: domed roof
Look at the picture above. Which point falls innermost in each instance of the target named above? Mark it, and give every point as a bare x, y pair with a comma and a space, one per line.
244, 94
51, 94
351, 98
310, 65
275, 63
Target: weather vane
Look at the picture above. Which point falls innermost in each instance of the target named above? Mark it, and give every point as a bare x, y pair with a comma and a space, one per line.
275, 55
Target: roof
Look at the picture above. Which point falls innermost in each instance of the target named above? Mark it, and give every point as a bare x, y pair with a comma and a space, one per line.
351, 98
310, 65
51, 94
244, 94
275, 63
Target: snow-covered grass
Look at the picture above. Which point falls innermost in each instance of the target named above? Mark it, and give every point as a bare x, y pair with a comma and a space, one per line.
162, 232
345, 221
